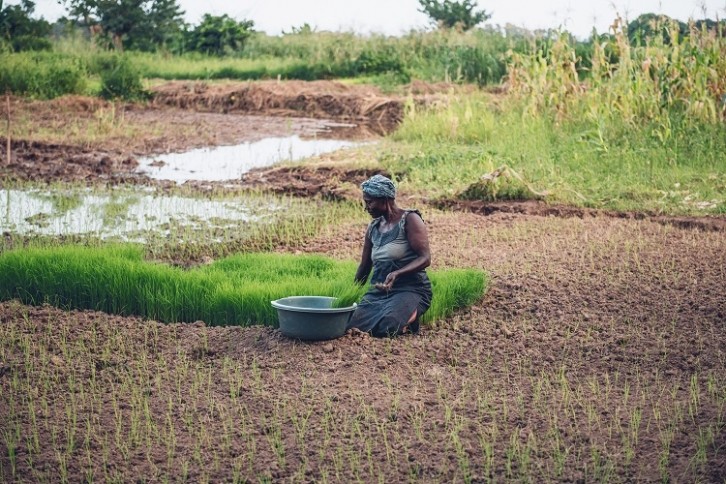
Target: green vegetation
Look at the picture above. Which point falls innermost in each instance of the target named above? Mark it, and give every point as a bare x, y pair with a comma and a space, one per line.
576, 369
477, 56
218, 34
624, 137
221, 47
453, 14
42, 74
575, 161
119, 79
232, 291
20, 31
129, 24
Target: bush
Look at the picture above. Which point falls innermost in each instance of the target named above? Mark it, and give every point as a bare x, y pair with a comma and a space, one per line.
120, 79
42, 75
219, 34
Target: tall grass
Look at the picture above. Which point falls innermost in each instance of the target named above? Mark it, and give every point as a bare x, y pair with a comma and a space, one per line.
233, 291
478, 56
644, 130
653, 84
42, 74
442, 55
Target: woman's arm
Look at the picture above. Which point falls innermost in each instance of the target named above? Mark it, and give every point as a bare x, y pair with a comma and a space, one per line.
366, 263
419, 239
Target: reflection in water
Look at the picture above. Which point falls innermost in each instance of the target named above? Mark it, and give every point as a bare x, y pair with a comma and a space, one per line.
124, 214
230, 162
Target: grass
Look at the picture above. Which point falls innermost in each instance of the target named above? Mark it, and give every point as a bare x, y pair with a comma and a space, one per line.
576, 161
43, 74
75, 65
444, 152
233, 291
476, 56
623, 136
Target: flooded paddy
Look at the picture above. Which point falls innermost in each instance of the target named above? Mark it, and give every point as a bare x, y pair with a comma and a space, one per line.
230, 162
128, 214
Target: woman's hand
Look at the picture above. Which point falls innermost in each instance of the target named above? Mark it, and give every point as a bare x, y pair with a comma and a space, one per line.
390, 279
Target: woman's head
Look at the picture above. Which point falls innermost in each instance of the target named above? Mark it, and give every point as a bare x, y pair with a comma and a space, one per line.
379, 193
379, 186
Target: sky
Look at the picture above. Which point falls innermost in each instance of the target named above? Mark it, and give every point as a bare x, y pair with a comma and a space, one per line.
394, 17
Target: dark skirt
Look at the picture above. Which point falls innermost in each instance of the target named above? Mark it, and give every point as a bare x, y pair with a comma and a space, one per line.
384, 313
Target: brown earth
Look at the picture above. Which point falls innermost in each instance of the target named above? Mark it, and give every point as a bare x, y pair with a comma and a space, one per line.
315, 99
85, 139
597, 354
76, 138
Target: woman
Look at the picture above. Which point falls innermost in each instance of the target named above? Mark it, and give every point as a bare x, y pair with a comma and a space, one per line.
396, 247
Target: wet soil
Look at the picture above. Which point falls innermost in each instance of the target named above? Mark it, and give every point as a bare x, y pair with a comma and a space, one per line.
134, 130
328, 182
598, 353
77, 138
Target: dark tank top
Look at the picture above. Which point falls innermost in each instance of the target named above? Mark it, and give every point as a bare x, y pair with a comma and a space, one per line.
392, 251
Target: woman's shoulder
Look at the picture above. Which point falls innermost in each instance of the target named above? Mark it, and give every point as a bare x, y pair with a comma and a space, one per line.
407, 212
373, 224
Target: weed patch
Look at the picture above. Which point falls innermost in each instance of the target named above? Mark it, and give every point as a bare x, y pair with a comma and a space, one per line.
42, 74
501, 184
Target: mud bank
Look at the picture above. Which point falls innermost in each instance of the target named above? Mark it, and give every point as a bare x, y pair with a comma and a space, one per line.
316, 99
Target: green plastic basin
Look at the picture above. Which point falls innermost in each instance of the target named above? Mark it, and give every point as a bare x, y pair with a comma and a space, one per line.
312, 317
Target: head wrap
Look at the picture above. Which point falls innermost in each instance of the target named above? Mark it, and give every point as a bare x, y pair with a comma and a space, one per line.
378, 186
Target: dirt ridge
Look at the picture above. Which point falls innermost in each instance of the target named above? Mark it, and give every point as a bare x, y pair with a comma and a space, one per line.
710, 223
317, 99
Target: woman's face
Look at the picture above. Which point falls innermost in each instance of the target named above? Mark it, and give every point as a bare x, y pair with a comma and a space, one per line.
374, 206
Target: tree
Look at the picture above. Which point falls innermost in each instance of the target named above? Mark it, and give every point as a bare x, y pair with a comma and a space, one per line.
216, 34
130, 24
454, 14
20, 30
650, 25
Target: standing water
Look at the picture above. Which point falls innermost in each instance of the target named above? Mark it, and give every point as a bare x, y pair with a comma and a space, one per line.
127, 214
230, 162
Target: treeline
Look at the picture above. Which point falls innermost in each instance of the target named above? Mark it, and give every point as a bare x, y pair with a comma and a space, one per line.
122, 41
139, 25
152, 25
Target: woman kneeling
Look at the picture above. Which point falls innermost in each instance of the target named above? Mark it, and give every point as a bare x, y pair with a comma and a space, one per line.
396, 248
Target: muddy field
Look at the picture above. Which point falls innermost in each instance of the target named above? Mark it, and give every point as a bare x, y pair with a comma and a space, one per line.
100, 138
597, 354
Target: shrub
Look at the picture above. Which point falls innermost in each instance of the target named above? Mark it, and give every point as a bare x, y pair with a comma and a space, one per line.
120, 79
43, 74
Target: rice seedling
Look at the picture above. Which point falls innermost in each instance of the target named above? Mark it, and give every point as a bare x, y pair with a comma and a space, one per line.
236, 290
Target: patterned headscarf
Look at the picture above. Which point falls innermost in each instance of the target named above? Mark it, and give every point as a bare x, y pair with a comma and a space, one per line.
378, 186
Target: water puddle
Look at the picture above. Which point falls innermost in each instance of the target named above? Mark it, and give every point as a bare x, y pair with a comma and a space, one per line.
128, 215
230, 162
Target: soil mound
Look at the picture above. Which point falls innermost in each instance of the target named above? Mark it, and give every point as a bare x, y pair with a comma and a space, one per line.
329, 182
316, 99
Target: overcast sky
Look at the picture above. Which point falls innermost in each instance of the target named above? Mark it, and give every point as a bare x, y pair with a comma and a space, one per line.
398, 16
